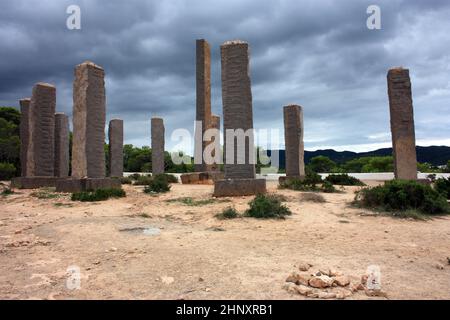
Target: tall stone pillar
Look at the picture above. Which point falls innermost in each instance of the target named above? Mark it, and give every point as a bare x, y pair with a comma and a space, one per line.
402, 124
115, 137
203, 110
42, 131
88, 155
61, 145
24, 134
237, 115
215, 124
293, 138
157, 129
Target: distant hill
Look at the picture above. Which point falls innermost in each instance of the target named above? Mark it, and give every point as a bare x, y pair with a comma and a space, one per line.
436, 155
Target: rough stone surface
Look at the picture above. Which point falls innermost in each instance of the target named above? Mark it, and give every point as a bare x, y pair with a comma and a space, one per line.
239, 187
214, 124
41, 152
402, 124
34, 182
157, 145
201, 177
24, 134
61, 145
115, 138
85, 184
322, 281
203, 110
293, 137
89, 116
237, 105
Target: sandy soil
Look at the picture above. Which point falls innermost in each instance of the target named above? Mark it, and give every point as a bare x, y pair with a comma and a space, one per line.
197, 256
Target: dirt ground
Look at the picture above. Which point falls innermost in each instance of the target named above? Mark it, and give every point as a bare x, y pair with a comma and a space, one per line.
187, 253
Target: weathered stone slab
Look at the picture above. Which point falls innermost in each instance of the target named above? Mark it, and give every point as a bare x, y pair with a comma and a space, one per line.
41, 152
239, 187
61, 145
24, 134
293, 137
34, 182
402, 124
203, 106
115, 137
88, 156
86, 184
157, 125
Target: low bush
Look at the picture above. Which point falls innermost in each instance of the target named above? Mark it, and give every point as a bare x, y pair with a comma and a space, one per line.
267, 206
7, 171
143, 180
327, 187
344, 180
158, 184
170, 178
403, 195
442, 186
6, 192
228, 213
125, 180
98, 195
313, 197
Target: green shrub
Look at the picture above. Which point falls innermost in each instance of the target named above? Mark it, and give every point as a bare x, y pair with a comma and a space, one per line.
143, 180
7, 192
158, 184
228, 213
402, 195
126, 180
267, 206
134, 176
170, 178
442, 186
327, 187
45, 193
7, 171
98, 195
344, 180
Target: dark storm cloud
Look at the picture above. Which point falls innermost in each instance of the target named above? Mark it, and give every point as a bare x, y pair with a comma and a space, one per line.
318, 54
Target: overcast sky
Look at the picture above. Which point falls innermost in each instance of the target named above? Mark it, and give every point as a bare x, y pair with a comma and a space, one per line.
318, 54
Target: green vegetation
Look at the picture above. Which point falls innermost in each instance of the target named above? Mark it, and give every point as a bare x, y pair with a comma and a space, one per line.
369, 164
157, 184
6, 192
9, 143
327, 187
267, 206
311, 182
7, 171
188, 201
143, 180
344, 179
98, 195
403, 198
228, 213
322, 164
442, 186
126, 180
45, 193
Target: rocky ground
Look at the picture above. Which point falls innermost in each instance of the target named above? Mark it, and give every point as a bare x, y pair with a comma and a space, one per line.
158, 247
